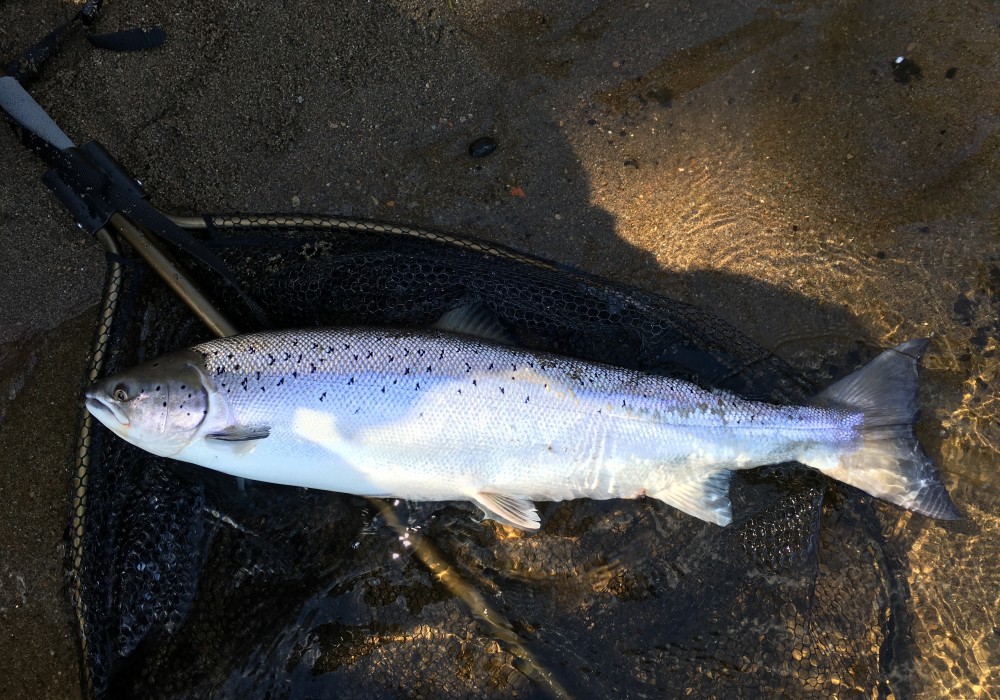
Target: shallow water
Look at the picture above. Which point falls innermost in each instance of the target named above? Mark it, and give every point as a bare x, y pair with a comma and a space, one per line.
770, 162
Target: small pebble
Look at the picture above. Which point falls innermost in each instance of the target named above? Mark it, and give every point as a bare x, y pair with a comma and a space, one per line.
482, 147
295, 201
905, 69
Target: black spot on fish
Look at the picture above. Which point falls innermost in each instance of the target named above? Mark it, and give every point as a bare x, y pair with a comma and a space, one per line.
369, 354
312, 368
295, 375
383, 390
501, 390
183, 387
315, 345
420, 352
157, 387
258, 375
623, 403
527, 399
281, 381
428, 369
322, 396
288, 356
417, 387
350, 381
295, 342
468, 367
357, 410
164, 404
442, 355
356, 358
406, 371
262, 388
513, 366
391, 358
459, 391
473, 382
300, 358
272, 360
491, 365
230, 356
237, 368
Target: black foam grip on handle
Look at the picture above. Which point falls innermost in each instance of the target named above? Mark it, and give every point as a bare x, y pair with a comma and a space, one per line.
22, 108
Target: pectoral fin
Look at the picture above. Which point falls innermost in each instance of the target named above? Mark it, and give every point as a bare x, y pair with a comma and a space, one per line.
517, 511
703, 495
238, 440
238, 433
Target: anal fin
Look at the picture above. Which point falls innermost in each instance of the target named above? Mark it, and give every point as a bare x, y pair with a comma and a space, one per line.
517, 511
704, 495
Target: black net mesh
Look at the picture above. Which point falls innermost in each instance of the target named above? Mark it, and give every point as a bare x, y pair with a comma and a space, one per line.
189, 584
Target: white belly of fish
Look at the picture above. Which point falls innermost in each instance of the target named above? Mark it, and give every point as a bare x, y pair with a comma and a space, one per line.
440, 417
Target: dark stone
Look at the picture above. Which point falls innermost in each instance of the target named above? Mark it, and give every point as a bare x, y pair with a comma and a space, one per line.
482, 147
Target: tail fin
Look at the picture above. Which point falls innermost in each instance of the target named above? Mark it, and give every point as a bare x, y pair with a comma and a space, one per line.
890, 463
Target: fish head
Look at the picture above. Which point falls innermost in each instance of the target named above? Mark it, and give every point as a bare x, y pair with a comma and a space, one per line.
159, 405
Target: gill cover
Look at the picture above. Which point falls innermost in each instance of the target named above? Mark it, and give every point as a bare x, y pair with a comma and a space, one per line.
158, 405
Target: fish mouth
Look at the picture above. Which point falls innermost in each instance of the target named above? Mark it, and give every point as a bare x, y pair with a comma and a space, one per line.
106, 412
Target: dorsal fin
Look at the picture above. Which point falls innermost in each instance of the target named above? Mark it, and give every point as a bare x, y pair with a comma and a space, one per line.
475, 319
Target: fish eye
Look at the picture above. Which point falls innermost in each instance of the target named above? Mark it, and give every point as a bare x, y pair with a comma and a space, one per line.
120, 393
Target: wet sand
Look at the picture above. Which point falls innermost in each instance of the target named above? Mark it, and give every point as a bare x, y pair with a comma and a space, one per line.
774, 164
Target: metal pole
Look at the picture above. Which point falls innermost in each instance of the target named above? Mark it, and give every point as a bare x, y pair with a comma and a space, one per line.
166, 267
